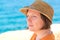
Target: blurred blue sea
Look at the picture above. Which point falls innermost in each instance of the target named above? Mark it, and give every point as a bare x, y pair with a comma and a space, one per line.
12, 19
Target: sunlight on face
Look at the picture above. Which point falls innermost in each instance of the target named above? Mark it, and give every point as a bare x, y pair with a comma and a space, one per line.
34, 21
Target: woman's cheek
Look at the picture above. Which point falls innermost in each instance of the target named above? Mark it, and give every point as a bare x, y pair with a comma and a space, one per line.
35, 22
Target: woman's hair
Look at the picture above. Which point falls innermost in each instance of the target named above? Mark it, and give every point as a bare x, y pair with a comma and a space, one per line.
46, 21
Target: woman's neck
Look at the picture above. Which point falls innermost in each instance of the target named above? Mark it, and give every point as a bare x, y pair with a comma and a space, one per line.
40, 34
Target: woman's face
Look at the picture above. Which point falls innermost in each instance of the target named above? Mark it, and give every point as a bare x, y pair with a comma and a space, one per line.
34, 21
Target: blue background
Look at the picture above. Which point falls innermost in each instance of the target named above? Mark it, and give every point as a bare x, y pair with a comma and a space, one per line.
12, 19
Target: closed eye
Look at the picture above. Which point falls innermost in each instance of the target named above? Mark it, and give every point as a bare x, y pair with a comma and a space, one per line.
33, 16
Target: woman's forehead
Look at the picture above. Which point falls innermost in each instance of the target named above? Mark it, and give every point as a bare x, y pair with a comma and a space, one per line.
32, 11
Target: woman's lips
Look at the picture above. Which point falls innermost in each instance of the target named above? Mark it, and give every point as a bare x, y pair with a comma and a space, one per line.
30, 25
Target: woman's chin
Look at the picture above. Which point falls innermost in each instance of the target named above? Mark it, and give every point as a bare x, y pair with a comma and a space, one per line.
31, 29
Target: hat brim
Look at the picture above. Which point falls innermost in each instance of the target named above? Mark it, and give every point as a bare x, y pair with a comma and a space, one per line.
25, 10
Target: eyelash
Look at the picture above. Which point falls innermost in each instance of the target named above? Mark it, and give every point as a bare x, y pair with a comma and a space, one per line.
34, 16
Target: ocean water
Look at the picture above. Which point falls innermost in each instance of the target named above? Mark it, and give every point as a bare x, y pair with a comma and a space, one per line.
12, 19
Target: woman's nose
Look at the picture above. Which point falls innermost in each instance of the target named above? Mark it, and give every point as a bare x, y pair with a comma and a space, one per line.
29, 19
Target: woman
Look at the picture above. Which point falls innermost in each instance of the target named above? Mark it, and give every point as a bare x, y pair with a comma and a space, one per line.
39, 18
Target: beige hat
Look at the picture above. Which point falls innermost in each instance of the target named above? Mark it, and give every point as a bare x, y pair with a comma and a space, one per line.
42, 7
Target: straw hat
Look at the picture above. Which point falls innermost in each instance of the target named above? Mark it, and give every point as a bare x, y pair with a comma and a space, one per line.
42, 7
